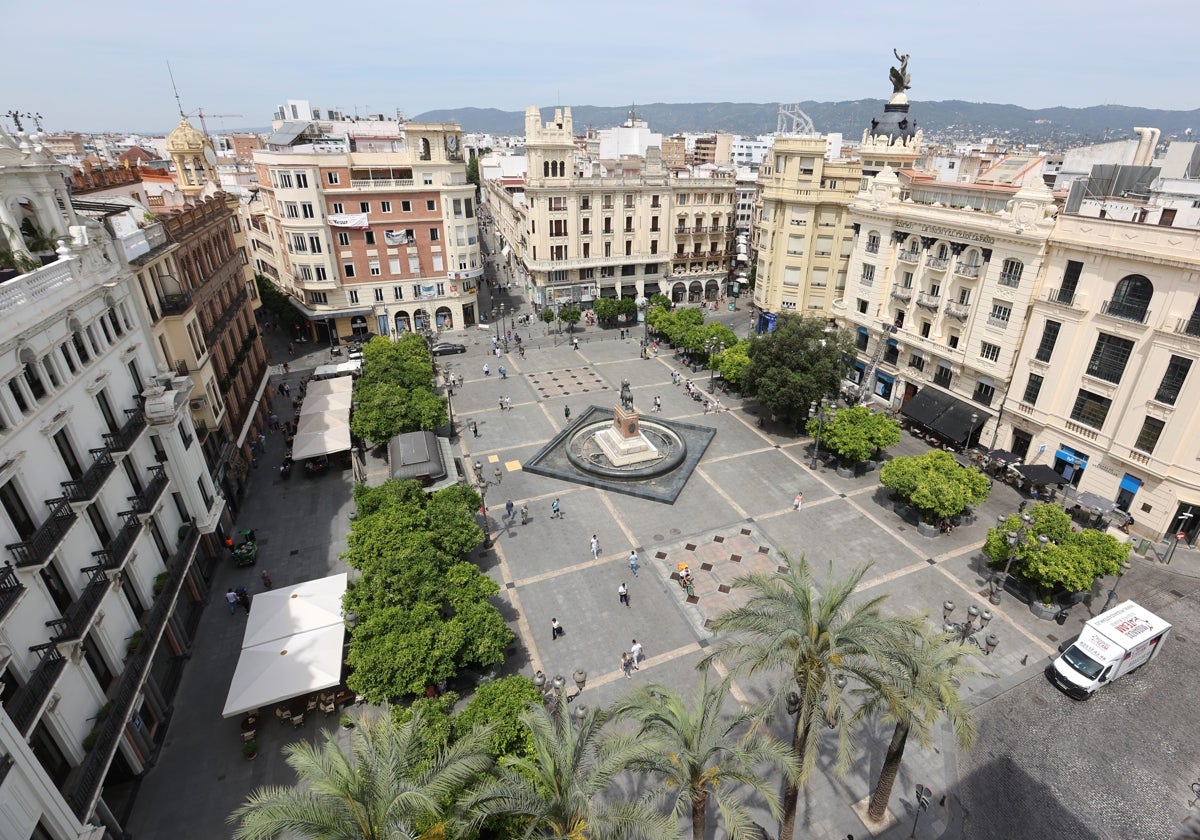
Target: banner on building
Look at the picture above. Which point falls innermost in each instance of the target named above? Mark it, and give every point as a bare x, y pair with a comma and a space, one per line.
349, 220
428, 290
392, 237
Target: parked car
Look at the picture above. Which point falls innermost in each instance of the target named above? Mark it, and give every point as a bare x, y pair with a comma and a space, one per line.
446, 348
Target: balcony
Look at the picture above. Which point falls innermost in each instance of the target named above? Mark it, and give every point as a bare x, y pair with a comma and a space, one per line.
965, 270
956, 310
1189, 326
213, 333
84, 785
1133, 312
873, 248
36, 550
10, 589
1062, 297
928, 301
114, 555
998, 323
89, 484
901, 293
381, 183
78, 617
937, 263
943, 378
127, 435
27, 704
144, 502
679, 230
176, 304
911, 257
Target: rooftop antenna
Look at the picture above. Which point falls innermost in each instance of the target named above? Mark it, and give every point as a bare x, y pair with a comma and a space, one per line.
174, 88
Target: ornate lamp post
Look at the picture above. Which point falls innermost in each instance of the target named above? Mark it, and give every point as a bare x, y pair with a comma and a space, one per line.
713, 347
820, 413
1013, 538
965, 632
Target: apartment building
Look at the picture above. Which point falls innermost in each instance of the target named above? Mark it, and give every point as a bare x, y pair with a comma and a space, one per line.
573, 229
369, 225
107, 508
802, 238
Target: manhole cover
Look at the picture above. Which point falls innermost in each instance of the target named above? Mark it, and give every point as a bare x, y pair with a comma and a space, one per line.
658, 537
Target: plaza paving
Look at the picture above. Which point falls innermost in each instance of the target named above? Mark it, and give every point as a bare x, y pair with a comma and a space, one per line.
738, 503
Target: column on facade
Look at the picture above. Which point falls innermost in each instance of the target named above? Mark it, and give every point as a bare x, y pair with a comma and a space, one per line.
10, 228
23, 387
48, 213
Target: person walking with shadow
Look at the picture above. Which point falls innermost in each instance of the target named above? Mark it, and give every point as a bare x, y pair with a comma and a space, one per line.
556, 629
633, 562
623, 594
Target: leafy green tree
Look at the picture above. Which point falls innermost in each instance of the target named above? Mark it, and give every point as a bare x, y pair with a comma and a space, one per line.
921, 686
1068, 560
658, 299
627, 309
386, 410
935, 484
499, 705
548, 316
278, 304
818, 638
570, 316
677, 324
854, 434
799, 362
383, 789
437, 723
565, 788
605, 309
732, 363
695, 753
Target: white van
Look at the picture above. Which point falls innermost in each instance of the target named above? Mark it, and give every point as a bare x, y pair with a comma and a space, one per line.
1111, 645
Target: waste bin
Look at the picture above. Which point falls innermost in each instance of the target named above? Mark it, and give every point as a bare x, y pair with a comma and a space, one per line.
732, 307
1141, 547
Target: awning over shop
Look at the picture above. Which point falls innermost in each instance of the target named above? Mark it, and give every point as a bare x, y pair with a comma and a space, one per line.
1099, 504
324, 424
289, 610
1038, 474
944, 415
286, 668
926, 406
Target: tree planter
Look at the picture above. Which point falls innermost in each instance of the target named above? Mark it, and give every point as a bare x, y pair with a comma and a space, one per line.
1046, 612
927, 530
845, 472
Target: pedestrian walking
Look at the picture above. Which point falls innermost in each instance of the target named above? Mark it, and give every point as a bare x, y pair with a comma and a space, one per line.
575, 344
627, 665
499, 475
623, 594
232, 598
633, 562
706, 406
635, 653
509, 509
487, 371
291, 349
501, 403
556, 629
474, 429
287, 390
524, 514
243, 598
555, 513
266, 579
508, 401
657, 403
595, 546
503, 373
567, 412
799, 501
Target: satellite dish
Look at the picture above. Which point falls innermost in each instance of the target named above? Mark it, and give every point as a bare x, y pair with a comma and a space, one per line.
210, 156
1187, 132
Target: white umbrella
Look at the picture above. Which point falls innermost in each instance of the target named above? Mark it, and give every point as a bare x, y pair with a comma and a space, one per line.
285, 668
288, 610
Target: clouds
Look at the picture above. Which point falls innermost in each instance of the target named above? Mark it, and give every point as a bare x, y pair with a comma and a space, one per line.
372, 57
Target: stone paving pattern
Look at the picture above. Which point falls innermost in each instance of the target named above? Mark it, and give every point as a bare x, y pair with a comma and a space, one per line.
1044, 765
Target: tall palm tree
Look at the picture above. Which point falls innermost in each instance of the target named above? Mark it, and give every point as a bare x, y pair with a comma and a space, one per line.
696, 752
382, 790
922, 685
564, 789
820, 640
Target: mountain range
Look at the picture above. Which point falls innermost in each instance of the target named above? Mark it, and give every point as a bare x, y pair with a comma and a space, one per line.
950, 119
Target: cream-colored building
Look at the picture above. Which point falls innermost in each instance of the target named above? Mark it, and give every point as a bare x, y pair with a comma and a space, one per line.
940, 279
803, 237
1104, 389
573, 229
369, 226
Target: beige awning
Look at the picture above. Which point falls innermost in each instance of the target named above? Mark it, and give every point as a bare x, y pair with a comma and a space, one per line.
278, 613
286, 668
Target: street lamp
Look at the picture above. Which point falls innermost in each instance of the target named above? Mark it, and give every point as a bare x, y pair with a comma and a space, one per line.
1013, 538
499, 322
971, 431
713, 347
965, 632
819, 412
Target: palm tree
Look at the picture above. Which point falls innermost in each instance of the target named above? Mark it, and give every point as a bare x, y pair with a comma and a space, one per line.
819, 641
383, 790
922, 685
563, 790
696, 754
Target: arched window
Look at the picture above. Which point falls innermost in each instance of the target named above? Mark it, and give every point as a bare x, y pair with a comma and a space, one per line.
545, 169
1010, 273
1131, 298
562, 168
424, 147
873, 242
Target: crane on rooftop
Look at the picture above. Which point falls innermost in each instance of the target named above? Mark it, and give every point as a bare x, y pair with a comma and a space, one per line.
198, 112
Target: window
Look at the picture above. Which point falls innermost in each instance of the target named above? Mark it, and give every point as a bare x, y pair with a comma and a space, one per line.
306, 209
907, 280
587, 226
587, 273
991, 352
379, 295
953, 341
318, 297
434, 234
319, 273
1172, 381
285, 180
1147, 438
338, 207
628, 270
1010, 273
431, 205
964, 297
872, 243
1109, 357
925, 325
1090, 409
348, 270
343, 239
628, 248
1032, 388
333, 178
397, 292
1049, 337
861, 339
405, 206
983, 393
352, 295
917, 362
585, 202
651, 268
297, 243
364, 207
606, 271
385, 207
1131, 299
469, 204
868, 274
653, 246
369, 237
1000, 314
291, 210
314, 244
375, 272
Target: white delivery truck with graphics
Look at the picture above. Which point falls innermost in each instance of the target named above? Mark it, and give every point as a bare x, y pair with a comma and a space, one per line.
1111, 645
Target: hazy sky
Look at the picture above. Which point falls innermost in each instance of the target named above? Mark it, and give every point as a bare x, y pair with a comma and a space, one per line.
95, 67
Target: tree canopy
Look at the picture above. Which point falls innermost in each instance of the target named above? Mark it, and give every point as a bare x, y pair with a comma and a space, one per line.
395, 392
800, 361
733, 361
854, 434
935, 484
1069, 560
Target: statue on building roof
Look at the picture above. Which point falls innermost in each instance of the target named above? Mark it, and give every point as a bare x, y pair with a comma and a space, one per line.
901, 81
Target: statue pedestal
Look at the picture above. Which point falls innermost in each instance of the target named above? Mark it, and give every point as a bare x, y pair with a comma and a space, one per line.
623, 442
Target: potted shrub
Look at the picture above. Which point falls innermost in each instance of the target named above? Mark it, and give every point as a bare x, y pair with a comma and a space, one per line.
250, 750
935, 485
160, 582
184, 530
89, 740
854, 435
131, 644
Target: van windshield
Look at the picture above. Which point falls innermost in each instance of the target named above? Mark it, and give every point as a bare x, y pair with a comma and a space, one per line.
1082, 663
